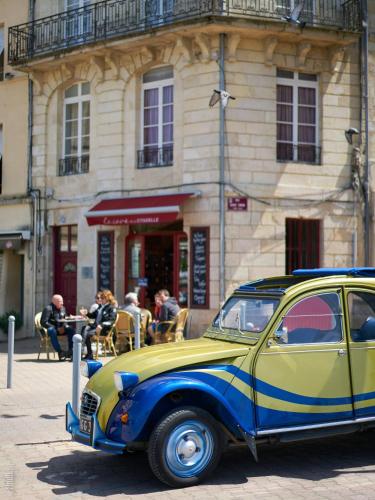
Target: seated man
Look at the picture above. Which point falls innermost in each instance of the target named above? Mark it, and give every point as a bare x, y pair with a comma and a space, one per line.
169, 307
53, 320
131, 304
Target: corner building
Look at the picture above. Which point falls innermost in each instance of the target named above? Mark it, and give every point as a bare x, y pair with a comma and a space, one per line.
144, 186
17, 202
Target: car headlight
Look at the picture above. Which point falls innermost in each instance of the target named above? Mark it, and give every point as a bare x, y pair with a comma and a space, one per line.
88, 368
125, 380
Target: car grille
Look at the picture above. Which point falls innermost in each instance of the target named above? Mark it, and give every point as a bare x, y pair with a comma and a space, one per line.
89, 404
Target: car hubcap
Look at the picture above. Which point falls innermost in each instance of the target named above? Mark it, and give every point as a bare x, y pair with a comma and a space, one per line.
189, 448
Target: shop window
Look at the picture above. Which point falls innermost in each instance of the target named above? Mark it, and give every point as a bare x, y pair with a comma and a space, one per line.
157, 118
76, 136
302, 244
297, 117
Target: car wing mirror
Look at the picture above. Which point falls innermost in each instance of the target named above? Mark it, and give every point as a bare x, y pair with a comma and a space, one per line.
281, 335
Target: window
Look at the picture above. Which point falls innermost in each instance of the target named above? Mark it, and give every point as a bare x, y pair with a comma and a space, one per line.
76, 147
302, 244
312, 320
157, 119
285, 8
362, 316
79, 23
246, 314
1, 54
66, 238
297, 117
158, 11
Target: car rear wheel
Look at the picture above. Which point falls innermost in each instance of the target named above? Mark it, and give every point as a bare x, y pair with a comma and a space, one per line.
185, 447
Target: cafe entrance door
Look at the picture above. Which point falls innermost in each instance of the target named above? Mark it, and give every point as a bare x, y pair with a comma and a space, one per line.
155, 261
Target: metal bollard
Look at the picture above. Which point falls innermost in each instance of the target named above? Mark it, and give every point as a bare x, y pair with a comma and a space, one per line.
11, 321
76, 385
137, 330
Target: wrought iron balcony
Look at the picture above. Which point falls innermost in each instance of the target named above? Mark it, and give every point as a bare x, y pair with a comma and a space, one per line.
74, 165
116, 18
298, 153
155, 157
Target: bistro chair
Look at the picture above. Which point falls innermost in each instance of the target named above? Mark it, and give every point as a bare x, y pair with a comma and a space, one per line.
146, 319
172, 331
124, 331
44, 339
106, 341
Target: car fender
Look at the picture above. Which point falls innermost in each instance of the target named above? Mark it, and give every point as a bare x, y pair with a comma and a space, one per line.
234, 408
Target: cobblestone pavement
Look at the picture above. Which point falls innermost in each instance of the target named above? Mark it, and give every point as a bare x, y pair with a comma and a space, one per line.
37, 459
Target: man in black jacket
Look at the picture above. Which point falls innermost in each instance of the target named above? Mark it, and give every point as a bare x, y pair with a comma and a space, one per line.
53, 320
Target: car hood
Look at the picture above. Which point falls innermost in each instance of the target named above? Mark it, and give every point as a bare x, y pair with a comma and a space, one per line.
150, 361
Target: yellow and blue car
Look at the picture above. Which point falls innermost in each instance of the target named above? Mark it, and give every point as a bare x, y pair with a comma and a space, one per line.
286, 358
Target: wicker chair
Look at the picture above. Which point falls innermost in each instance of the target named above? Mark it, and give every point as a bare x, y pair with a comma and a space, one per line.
44, 339
106, 341
125, 329
172, 331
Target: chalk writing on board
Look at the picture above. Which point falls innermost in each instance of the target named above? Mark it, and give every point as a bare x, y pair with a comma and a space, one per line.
199, 267
105, 260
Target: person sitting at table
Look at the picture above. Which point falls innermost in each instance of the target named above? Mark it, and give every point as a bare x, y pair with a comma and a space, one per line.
169, 307
52, 319
131, 304
90, 315
152, 326
104, 320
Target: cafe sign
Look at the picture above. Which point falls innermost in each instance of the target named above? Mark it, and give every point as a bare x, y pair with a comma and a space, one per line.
237, 204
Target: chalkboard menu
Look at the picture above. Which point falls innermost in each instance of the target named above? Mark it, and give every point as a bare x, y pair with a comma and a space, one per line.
105, 259
199, 267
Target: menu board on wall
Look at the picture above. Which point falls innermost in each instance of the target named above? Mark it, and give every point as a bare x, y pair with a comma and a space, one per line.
105, 259
199, 267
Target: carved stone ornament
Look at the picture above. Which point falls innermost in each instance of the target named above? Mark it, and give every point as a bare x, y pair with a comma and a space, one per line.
270, 44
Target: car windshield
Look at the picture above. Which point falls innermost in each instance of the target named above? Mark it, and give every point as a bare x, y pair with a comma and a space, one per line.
246, 314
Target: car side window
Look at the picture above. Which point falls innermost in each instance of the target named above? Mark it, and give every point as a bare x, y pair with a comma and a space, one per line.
312, 320
362, 316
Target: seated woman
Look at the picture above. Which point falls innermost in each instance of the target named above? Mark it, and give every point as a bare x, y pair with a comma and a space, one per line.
104, 320
152, 326
91, 314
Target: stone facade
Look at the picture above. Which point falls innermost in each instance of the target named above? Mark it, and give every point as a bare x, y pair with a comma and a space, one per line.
255, 243
15, 203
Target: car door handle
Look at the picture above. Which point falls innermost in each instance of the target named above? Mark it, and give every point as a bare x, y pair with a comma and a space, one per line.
341, 352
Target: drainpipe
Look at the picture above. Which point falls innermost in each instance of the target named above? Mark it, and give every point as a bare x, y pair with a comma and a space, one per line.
32, 193
366, 175
222, 171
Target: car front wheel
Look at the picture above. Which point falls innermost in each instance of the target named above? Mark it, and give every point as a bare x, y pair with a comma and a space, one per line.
185, 447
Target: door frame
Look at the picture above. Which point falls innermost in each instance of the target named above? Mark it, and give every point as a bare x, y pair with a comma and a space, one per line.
275, 349
176, 237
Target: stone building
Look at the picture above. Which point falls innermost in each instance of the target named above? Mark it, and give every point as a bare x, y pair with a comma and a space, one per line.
16, 204
145, 186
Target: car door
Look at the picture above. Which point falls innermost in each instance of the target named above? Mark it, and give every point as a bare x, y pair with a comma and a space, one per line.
361, 317
301, 375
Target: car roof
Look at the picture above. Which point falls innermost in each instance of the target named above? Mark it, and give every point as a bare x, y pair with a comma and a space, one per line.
279, 284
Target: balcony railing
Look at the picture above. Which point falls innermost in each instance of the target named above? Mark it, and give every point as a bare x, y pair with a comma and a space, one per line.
155, 157
298, 153
74, 165
116, 18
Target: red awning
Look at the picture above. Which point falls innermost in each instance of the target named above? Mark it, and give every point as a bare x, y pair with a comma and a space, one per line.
140, 210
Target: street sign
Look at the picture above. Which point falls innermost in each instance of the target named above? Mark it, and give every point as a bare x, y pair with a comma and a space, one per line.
237, 204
